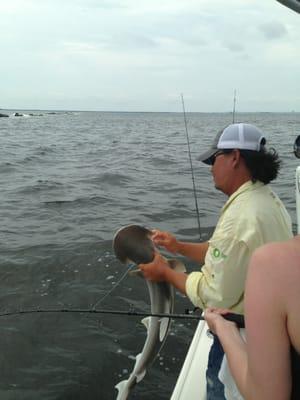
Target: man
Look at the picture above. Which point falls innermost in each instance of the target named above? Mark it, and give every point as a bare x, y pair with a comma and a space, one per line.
252, 216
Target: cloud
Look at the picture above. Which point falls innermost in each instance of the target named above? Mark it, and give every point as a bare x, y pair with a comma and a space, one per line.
142, 52
235, 47
273, 30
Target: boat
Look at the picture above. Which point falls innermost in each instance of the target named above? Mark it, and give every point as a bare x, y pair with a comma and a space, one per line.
292, 4
194, 367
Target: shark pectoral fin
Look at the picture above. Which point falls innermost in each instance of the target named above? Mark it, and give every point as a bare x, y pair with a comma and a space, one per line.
177, 265
164, 327
146, 322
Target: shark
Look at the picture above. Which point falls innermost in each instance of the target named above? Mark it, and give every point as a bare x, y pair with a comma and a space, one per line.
133, 244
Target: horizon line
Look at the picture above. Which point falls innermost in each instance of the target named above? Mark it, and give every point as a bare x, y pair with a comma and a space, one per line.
139, 111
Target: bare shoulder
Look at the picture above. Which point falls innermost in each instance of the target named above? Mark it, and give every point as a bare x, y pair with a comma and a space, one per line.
272, 300
275, 269
284, 255
272, 290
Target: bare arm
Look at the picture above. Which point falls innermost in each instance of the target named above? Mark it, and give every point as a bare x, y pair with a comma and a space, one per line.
194, 251
260, 367
268, 345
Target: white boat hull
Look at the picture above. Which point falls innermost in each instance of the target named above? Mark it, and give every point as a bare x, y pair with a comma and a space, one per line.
191, 383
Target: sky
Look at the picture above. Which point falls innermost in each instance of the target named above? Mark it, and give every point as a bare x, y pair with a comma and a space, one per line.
141, 55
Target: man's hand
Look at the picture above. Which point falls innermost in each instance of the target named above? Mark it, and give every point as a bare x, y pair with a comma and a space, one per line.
156, 270
166, 240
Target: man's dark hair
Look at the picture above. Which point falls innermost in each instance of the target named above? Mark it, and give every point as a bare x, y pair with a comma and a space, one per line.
263, 165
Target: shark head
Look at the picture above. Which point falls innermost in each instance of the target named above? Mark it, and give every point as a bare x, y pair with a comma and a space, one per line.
133, 244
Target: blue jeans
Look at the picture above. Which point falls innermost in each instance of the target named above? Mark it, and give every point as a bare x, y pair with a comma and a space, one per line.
214, 387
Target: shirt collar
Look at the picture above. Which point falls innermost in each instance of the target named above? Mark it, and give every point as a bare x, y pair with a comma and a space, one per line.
246, 187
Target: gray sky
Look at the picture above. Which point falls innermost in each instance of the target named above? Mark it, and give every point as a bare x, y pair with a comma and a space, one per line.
140, 55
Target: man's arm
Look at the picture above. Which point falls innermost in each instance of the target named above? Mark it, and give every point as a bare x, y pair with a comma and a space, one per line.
193, 251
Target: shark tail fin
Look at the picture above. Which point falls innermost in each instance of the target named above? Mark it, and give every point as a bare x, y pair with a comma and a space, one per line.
123, 390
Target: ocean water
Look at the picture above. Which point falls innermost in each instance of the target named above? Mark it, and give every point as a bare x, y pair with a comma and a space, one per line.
68, 181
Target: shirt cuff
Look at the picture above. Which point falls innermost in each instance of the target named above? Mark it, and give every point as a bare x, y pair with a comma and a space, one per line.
191, 288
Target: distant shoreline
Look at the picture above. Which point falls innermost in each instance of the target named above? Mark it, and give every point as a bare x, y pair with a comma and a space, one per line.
142, 112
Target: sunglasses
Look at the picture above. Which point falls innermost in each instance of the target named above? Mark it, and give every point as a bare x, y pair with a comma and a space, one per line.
219, 153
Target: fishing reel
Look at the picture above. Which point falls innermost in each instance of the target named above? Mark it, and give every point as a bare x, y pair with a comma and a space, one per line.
297, 147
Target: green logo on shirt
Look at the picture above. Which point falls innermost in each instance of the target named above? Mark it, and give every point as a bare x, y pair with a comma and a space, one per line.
218, 254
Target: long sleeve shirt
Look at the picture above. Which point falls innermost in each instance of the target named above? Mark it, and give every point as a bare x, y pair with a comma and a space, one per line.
251, 217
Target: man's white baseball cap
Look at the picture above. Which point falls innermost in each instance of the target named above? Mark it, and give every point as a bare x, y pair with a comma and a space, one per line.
235, 136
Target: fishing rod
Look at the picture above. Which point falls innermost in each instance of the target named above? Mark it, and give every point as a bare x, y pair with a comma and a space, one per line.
237, 318
192, 169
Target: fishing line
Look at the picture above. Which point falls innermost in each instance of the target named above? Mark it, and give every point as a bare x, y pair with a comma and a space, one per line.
113, 288
192, 169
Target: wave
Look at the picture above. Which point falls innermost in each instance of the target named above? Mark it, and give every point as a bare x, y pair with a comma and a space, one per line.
80, 201
41, 185
112, 178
